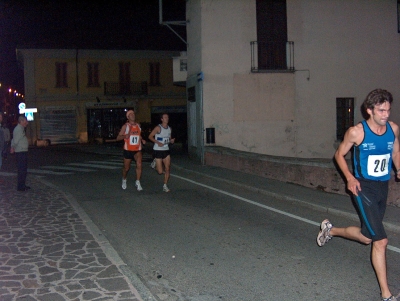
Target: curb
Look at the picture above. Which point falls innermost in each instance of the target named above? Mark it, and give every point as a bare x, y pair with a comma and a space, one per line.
136, 285
337, 212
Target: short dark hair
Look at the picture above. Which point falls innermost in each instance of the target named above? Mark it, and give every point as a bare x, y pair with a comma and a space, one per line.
377, 97
162, 114
21, 118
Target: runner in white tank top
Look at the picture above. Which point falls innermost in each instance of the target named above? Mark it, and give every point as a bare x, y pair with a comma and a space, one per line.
161, 137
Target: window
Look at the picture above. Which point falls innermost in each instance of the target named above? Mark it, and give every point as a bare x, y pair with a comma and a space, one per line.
344, 116
183, 65
125, 78
398, 16
271, 34
155, 74
61, 75
93, 74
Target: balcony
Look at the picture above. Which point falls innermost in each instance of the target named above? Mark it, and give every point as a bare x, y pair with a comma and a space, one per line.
122, 89
272, 56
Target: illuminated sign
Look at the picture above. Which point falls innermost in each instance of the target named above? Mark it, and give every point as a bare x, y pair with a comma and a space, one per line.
28, 112
33, 110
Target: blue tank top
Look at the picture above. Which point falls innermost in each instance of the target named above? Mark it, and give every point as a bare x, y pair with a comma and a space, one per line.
373, 157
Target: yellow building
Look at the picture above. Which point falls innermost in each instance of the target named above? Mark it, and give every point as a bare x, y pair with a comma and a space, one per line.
83, 95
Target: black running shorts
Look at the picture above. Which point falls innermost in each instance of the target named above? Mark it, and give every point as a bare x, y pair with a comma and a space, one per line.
371, 202
161, 154
130, 154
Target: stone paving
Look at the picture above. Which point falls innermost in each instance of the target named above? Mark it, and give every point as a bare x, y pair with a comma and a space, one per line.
47, 252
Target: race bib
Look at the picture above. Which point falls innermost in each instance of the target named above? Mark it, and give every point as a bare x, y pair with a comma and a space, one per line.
378, 165
163, 140
134, 139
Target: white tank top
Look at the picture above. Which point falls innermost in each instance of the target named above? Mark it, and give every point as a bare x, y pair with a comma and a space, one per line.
164, 136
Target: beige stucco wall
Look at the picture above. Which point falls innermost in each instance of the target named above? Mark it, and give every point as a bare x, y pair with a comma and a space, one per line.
267, 125
41, 91
341, 49
350, 48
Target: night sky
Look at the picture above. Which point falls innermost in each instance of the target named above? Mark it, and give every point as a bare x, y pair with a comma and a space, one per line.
115, 24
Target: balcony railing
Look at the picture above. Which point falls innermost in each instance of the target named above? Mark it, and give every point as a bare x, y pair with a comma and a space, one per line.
130, 88
272, 56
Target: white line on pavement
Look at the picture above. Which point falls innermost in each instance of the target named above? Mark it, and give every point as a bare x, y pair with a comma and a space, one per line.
7, 174
67, 168
49, 172
392, 248
93, 165
119, 163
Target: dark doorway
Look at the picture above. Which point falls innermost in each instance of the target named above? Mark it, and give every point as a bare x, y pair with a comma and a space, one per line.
105, 124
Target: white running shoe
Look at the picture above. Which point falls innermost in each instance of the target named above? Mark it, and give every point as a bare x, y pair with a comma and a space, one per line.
165, 188
324, 234
153, 164
123, 183
391, 298
138, 186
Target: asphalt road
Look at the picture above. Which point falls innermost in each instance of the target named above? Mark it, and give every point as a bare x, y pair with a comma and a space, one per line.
207, 240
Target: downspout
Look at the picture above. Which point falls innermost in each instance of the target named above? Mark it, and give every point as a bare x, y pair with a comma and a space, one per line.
77, 71
200, 78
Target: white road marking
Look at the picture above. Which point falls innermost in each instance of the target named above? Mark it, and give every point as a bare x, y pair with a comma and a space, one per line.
49, 172
93, 165
117, 160
120, 163
67, 168
389, 247
8, 174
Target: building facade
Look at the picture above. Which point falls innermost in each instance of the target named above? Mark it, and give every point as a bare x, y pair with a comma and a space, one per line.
286, 77
83, 95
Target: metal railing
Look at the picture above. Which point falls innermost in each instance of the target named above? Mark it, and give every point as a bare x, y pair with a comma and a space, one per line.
272, 56
130, 88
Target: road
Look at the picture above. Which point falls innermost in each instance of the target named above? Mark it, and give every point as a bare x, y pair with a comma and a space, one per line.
208, 240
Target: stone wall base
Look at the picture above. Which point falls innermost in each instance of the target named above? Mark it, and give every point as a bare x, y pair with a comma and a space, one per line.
319, 174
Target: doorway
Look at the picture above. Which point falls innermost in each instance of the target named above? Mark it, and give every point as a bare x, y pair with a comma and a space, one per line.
104, 124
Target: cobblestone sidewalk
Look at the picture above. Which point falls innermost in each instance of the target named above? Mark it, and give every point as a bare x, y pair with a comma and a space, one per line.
47, 252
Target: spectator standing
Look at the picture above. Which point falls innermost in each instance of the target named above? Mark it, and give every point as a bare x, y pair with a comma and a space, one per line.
19, 146
7, 139
2, 140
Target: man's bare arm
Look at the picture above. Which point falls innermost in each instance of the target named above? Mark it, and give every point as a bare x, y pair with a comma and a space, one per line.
351, 138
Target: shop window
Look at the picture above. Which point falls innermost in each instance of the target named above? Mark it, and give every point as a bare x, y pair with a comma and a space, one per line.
93, 74
154, 74
61, 75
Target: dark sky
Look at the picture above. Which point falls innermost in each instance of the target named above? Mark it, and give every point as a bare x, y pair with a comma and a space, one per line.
96, 24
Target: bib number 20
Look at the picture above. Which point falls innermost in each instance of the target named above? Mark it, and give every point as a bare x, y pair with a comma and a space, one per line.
378, 165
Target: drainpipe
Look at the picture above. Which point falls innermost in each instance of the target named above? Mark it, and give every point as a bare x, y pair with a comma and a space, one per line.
77, 72
200, 78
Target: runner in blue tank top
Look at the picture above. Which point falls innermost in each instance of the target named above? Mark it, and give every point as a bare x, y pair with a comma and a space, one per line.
373, 157
375, 142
